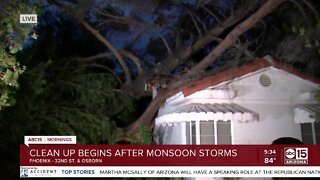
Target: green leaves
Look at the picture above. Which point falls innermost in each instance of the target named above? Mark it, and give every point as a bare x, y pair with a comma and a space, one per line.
10, 71
10, 78
144, 136
12, 35
298, 30
4, 100
66, 97
11, 30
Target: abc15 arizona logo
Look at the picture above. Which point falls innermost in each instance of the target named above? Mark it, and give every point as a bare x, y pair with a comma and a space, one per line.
295, 156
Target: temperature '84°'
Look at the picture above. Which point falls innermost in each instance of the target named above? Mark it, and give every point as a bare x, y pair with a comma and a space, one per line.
269, 160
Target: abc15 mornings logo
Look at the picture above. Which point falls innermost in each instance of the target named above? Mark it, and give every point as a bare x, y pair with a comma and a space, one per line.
295, 156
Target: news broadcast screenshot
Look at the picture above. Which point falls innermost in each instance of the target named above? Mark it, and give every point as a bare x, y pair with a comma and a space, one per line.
160, 89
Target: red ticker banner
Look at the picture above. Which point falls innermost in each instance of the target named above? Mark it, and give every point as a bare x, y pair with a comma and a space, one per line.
169, 155
169, 160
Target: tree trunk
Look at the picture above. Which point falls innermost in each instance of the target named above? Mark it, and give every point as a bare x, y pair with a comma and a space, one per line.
149, 113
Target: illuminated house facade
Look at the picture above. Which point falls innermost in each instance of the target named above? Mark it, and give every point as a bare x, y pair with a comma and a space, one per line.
253, 104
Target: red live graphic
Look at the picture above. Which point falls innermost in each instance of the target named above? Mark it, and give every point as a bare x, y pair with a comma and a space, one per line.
169, 155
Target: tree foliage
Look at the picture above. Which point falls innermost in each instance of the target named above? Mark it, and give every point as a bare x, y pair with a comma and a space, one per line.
65, 97
301, 45
12, 36
10, 71
13, 33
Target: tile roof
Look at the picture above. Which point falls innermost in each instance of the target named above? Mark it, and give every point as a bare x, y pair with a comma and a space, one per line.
241, 71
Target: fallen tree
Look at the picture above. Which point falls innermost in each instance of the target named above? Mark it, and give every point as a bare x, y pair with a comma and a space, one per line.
240, 20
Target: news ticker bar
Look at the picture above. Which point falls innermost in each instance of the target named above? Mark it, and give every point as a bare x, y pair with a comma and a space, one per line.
169, 171
169, 155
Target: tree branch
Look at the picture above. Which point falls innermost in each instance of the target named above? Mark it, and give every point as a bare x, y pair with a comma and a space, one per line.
302, 11
200, 22
234, 34
165, 43
211, 13
195, 23
110, 47
181, 55
128, 54
95, 57
149, 113
118, 19
245, 51
134, 59
94, 32
311, 7
108, 69
184, 53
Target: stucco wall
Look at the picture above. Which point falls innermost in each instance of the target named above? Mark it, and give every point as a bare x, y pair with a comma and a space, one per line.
170, 134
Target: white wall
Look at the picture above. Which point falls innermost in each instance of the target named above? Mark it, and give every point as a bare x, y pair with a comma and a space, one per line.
275, 121
175, 134
274, 104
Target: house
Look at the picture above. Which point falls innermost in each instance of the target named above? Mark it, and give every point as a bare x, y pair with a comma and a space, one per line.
256, 103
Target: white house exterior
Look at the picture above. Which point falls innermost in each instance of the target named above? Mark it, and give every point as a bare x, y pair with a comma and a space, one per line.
253, 104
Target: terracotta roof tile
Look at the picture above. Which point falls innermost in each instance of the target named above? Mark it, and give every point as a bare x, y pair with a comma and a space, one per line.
241, 71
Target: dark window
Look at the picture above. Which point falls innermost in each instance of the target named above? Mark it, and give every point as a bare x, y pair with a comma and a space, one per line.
306, 131
193, 133
317, 131
188, 133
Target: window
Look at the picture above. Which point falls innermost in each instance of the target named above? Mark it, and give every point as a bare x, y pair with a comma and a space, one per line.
208, 132
224, 132
310, 133
207, 135
191, 132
